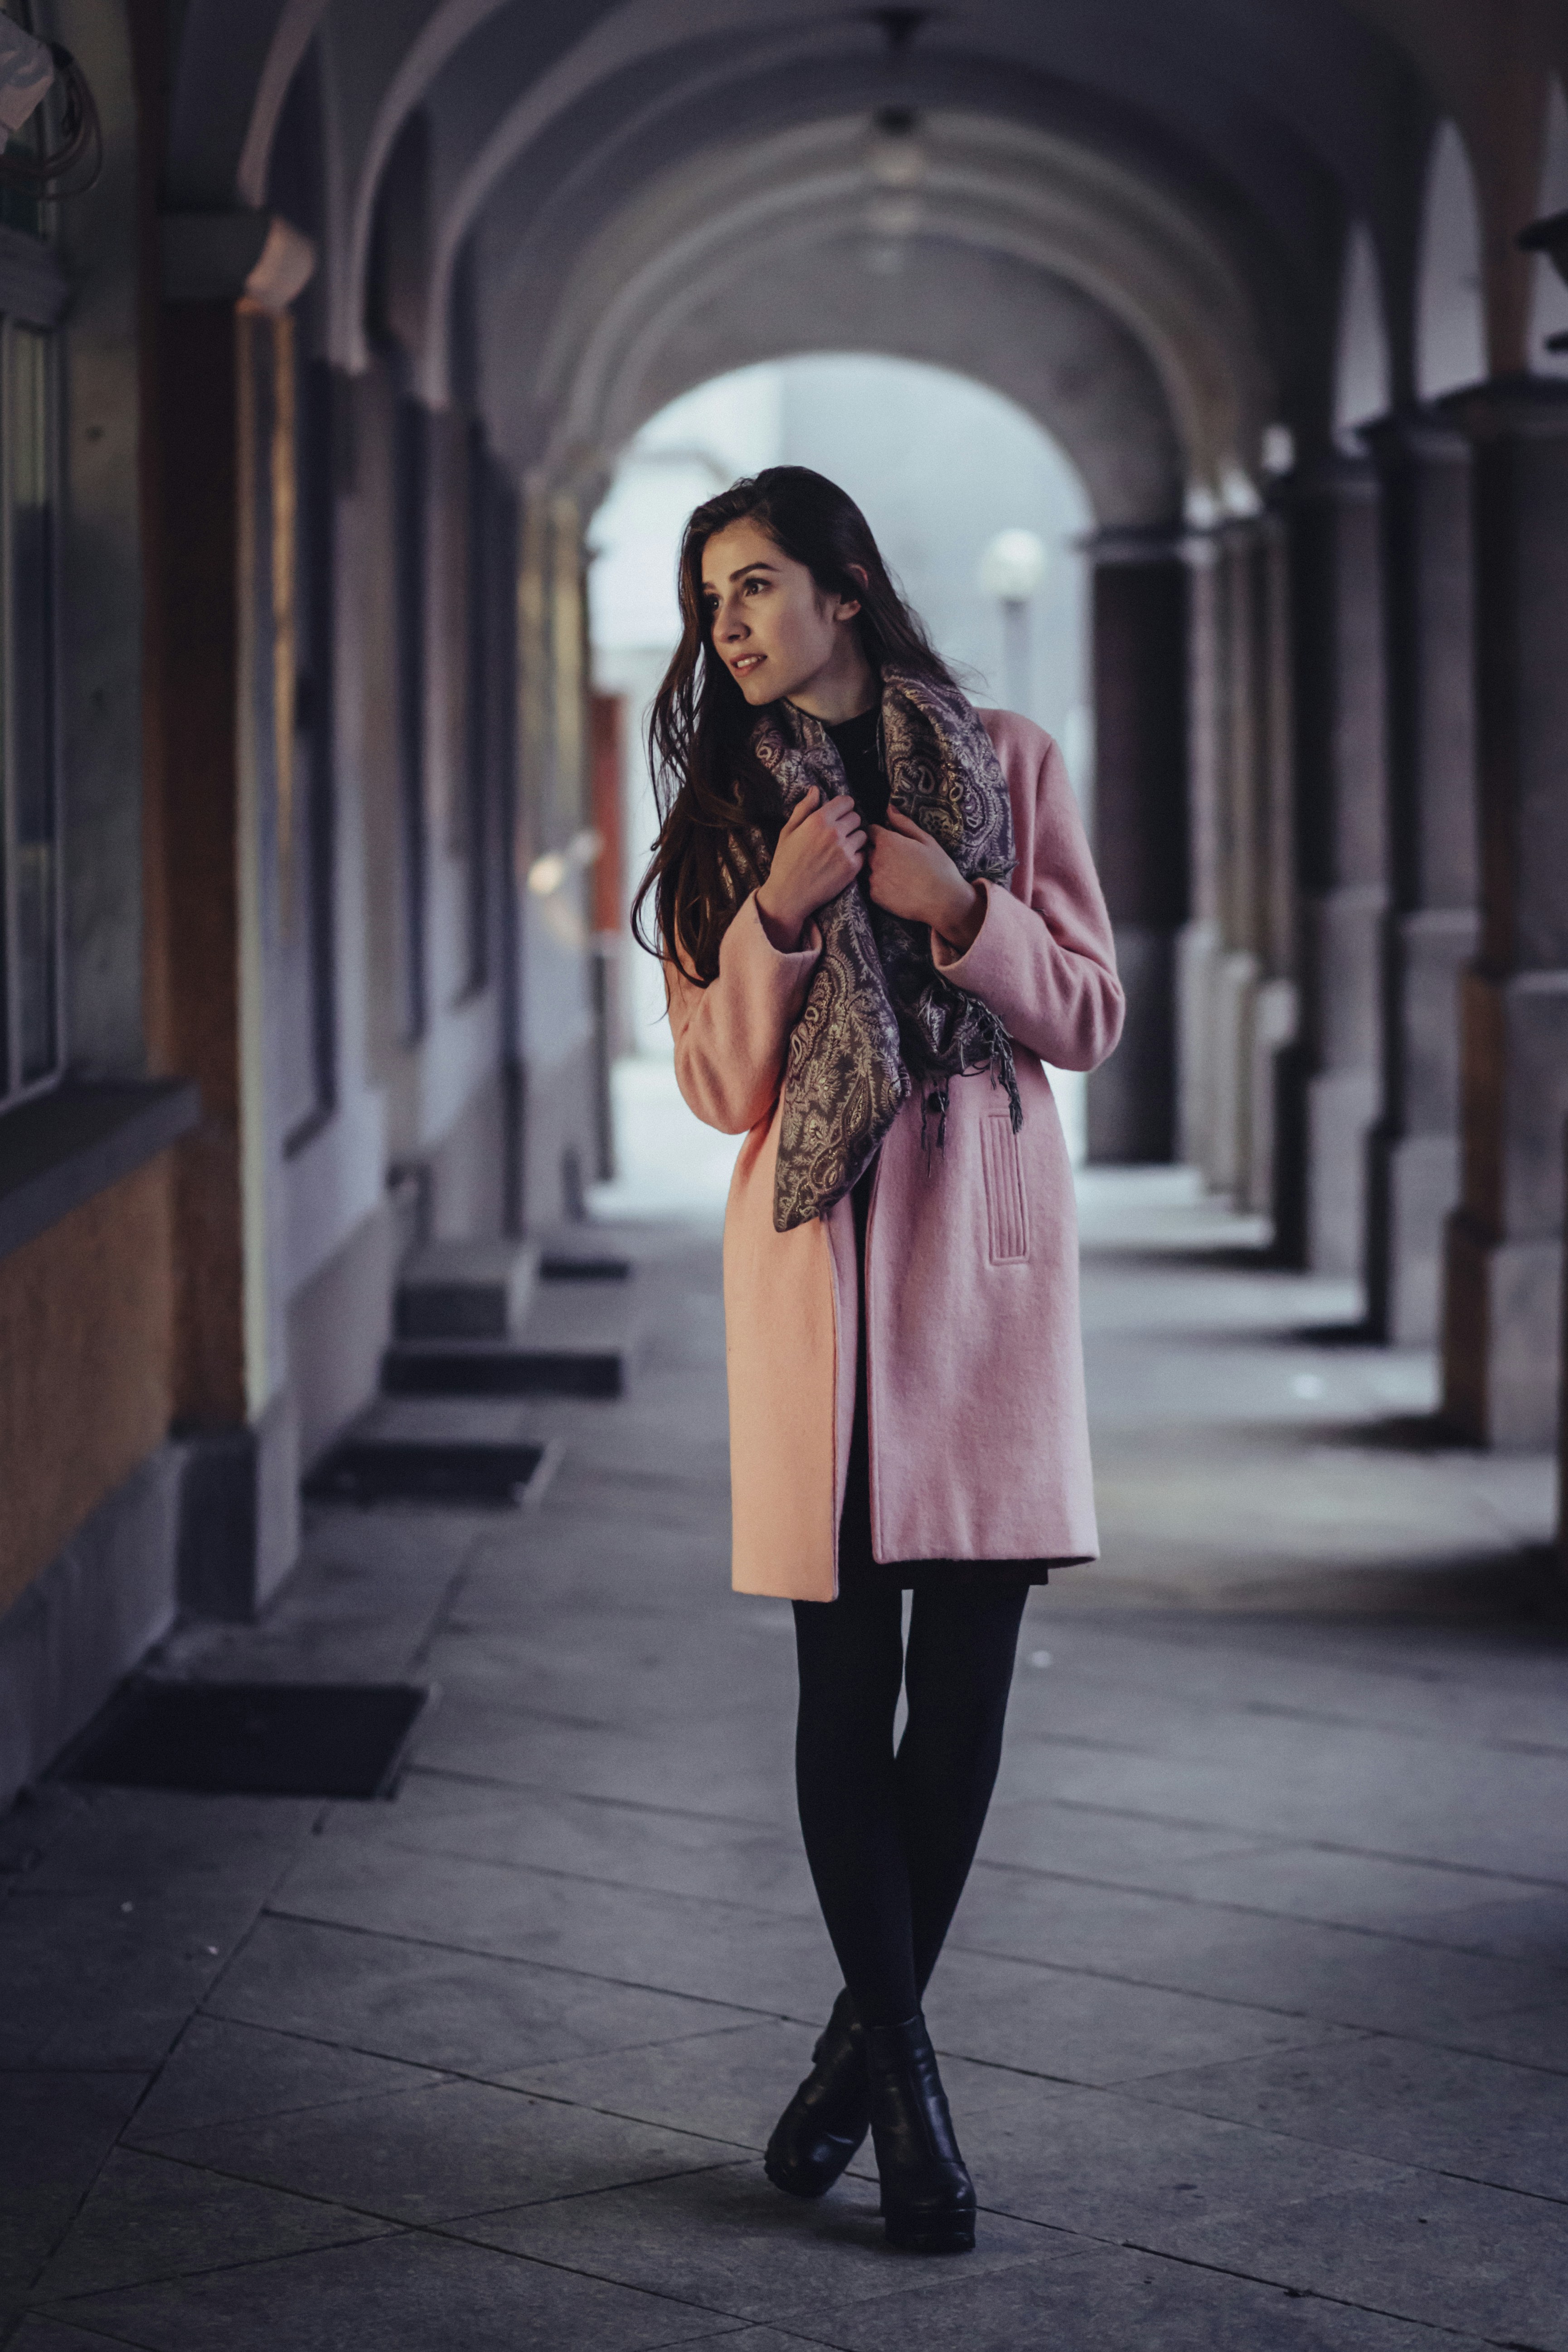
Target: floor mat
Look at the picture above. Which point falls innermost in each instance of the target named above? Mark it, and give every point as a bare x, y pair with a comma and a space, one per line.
367, 1470
258, 1739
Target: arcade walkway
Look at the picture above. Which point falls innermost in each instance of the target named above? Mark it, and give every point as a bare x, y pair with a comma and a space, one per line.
1257, 2014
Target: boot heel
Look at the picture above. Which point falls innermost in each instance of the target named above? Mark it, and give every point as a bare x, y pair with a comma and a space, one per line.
920, 2233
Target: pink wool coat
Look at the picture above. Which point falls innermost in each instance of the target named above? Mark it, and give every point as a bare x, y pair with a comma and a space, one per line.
979, 1439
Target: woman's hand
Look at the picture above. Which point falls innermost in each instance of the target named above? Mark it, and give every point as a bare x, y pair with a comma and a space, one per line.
819, 853
912, 875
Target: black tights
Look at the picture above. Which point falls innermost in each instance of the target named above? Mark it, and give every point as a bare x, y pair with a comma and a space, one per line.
891, 1839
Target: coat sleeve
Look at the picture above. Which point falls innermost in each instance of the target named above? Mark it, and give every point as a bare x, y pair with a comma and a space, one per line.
1043, 959
731, 1037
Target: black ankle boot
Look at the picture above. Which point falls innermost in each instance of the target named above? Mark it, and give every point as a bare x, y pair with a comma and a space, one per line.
827, 2118
927, 2197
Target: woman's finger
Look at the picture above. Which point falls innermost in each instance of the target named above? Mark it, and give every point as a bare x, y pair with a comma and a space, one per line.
903, 824
802, 808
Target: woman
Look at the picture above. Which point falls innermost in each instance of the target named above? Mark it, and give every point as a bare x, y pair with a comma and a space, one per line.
878, 918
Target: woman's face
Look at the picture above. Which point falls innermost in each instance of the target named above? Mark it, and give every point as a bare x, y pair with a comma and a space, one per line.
778, 635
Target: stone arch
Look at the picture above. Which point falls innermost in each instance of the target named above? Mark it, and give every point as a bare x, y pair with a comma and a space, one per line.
1450, 303
1363, 369
1101, 404
1055, 225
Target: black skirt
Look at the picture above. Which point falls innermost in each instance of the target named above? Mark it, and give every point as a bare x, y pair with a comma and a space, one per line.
857, 1571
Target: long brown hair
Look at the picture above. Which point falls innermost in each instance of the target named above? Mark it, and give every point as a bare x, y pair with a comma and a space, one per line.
712, 790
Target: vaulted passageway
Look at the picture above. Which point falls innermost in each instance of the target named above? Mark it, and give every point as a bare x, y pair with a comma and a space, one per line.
331, 333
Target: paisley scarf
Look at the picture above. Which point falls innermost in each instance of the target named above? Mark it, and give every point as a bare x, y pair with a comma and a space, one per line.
880, 1018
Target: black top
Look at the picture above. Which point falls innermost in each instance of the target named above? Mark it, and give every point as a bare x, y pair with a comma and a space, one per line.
858, 743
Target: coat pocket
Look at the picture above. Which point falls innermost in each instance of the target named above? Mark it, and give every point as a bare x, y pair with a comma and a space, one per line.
1006, 1215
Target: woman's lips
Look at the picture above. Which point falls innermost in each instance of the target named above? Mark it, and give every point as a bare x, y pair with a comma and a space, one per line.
746, 664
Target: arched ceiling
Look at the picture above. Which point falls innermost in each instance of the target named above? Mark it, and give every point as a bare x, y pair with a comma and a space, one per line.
1030, 263
1189, 173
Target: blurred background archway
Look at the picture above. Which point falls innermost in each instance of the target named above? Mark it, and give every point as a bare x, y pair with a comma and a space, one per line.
942, 466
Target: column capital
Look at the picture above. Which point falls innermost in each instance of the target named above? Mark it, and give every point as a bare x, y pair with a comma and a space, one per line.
1152, 543
1338, 477
1510, 408
1422, 431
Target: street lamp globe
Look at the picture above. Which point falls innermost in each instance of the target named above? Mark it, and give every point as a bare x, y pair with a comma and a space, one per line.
1012, 566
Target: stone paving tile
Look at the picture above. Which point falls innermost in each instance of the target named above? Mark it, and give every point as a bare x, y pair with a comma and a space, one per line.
1356, 2228
663, 1674
760, 2340
56, 2132
729, 2240
110, 1940
732, 2084
745, 1761
1294, 1964
729, 1952
1101, 2029
1133, 1705
149, 2218
1467, 1910
105, 1982
431, 2155
35, 2335
1533, 2037
468, 2011
219, 2072
626, 1845
1445, 2110
1454, 1682
1027, 1830
409, 2294
132, 1841
1111, 2301
1472, 1807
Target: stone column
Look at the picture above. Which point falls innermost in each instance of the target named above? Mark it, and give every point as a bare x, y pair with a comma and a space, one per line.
1237, 966
1276, 996
219, 473
1141, 828
1424, 465
1199, 945
1330, 1091
1502, 1344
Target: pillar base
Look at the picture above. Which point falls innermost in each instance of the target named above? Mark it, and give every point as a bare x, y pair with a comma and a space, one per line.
1413, 1162
1276, 1015
1413, 1182
239, 1514
1501, 1338
1235, 985
1197, 950
1340, 1107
